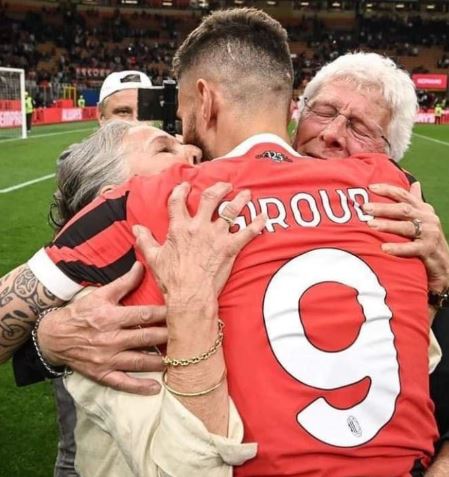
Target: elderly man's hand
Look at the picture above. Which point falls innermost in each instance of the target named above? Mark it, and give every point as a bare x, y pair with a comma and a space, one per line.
102, 340
430, 246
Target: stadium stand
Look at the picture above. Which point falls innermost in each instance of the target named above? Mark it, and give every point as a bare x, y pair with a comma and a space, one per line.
66, 48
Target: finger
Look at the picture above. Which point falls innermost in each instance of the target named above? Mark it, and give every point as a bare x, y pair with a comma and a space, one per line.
138, 315
144, 338
121, 381
146, 243
121, 286
137, 361
232, 209
405, 228
143, 233
177, 208
415, 190
210, 198
396, 193
405, 249
401, 211
249, 233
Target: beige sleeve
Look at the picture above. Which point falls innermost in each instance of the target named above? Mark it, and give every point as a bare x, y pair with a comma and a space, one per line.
157, 436
435, 352
181, 438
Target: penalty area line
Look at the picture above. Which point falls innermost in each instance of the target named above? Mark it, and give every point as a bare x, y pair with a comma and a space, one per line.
26, 184
56, 133
438, 141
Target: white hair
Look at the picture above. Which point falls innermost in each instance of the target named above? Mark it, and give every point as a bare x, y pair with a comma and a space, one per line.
374, 70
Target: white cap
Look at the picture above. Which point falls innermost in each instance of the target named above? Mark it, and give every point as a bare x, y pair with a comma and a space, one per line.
123, 80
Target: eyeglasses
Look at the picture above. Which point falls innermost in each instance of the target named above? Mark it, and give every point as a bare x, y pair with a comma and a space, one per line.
358, 129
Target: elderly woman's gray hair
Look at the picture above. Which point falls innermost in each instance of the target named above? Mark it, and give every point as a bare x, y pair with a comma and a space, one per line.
368, 70
85, 168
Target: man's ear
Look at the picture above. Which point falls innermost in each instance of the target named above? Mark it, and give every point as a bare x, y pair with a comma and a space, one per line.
208, 101
100, 117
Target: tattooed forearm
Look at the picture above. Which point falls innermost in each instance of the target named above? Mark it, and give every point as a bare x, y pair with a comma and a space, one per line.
22, 298
14, 327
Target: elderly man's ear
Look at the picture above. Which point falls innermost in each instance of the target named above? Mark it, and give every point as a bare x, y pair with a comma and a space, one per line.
100, 116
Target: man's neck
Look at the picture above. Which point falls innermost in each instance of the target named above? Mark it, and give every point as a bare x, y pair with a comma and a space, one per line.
233, 133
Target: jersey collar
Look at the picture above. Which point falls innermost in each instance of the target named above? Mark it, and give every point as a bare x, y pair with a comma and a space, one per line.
247, 144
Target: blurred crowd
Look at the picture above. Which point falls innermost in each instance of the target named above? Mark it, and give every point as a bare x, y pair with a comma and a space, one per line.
60, 46
51, 51
398, 36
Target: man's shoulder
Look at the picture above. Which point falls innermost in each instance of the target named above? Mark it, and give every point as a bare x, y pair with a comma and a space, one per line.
173, 175
380, 168
147, 196
377, 159
155, 189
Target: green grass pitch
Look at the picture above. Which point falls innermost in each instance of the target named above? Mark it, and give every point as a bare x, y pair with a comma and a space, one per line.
27, 419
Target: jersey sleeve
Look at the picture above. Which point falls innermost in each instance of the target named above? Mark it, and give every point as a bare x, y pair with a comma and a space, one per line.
97, 245
94, 248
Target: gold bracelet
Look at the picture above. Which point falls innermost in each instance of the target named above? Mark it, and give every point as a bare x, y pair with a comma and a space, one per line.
194, 394
202, 357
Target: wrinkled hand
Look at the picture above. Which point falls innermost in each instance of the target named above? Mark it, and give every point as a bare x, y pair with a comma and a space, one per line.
198, 252
192, 267
98, 337
396, 218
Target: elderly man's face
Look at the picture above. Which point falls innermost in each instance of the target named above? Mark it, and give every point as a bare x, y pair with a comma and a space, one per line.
151, 151
340, 121
120, 105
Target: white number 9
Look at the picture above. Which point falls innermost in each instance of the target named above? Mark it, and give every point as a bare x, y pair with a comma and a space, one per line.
372, 354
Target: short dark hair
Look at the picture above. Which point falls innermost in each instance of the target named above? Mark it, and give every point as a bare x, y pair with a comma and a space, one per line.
236, 44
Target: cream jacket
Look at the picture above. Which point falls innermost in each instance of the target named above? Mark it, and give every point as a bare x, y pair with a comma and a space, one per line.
126, 435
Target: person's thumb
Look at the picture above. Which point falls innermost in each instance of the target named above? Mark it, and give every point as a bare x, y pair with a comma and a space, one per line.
146, 243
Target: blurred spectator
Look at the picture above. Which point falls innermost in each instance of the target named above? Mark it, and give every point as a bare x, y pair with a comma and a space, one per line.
29, 108
438, 112
81, 102
443, 62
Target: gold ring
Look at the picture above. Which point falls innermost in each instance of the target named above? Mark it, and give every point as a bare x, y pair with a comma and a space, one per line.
418, 228
227, 219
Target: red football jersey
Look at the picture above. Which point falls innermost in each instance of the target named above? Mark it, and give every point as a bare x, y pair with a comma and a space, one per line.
326, 336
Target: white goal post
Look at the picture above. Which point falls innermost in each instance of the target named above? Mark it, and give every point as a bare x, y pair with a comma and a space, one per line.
12, 103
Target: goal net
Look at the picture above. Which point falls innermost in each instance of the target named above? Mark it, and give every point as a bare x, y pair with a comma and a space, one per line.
12, 103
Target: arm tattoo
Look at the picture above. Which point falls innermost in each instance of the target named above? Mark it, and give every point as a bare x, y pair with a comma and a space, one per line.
22, 299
